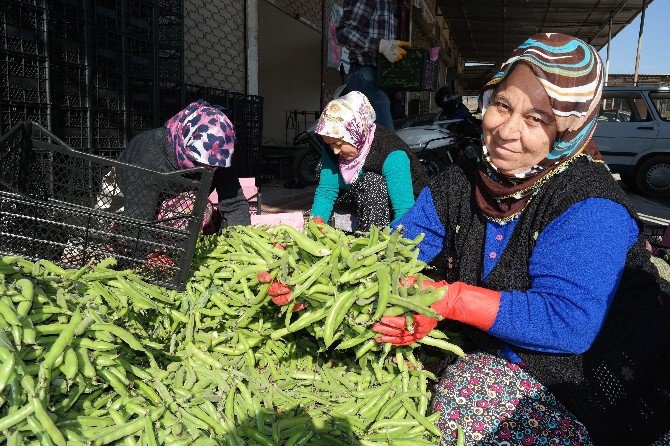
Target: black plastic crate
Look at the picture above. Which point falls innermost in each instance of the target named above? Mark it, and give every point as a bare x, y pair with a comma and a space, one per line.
140, 94
175, 7
194, 92
73, 9
107, 50
414, 72
140, 20
66, 39
22, 28
69, 85
66, 208
23, 79
253, 108
106, 14
170, 100
141, 58
218, 96
170, 65
139, 122
71, 125
107, 90
169, 30
12, 114
108, 132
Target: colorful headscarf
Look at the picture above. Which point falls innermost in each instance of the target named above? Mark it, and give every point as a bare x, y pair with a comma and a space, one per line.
571, 73
350, 118
201, 133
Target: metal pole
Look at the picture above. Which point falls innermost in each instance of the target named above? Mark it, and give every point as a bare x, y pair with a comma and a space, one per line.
639, 42
251, 31
609, 45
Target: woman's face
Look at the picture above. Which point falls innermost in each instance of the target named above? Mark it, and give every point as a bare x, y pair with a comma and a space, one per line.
519, 125
341, 148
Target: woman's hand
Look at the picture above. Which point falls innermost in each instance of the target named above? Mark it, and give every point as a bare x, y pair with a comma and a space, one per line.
394, 329
469, 304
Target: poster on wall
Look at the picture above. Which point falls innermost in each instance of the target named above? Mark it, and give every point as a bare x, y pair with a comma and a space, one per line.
336, 54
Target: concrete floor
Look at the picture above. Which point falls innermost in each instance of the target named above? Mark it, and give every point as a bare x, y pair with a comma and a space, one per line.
276, 198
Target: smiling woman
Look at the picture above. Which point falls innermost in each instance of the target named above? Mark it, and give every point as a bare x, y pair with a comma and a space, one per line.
519, 126
567, 321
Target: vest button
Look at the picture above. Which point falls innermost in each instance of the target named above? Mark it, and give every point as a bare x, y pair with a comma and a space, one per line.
492, 255
499, 237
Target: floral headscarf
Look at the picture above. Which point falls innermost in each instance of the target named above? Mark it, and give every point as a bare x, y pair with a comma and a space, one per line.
571, 73
201, 133
350, 118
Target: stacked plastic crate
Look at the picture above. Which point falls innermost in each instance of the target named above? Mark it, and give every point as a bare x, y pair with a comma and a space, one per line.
68, 68
23, 64
170, 57
248, 119
108, 121
98, 72
141, 62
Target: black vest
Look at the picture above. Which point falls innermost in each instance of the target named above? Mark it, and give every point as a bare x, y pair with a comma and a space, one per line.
620, 387
385, 142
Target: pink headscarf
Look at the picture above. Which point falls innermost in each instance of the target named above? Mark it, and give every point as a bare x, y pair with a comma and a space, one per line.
201, 133
350, 118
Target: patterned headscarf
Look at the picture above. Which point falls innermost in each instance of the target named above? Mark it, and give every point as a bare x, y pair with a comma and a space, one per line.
201, 133
571, 73
350, 118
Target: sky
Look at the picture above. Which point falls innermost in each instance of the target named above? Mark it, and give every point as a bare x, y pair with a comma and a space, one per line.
655, 55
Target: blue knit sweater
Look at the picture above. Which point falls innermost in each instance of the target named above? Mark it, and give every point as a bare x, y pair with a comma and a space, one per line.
575, 270
396, 171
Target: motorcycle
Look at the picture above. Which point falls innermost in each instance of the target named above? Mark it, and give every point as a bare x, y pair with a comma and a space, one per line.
444, 142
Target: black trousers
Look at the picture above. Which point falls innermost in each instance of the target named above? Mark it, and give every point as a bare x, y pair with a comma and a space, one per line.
368, 202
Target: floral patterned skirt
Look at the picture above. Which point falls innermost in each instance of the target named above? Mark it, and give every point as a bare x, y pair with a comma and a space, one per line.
496, 403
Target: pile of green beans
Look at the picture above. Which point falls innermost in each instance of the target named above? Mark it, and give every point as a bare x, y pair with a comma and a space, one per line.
96, 356
347, 282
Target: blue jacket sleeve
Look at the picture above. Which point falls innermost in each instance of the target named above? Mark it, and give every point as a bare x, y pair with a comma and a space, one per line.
398, 178
423, 218
327, 190
575, 269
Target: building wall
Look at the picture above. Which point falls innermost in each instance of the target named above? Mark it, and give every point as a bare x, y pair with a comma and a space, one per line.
289, 70
642, 79
307, 11
214, 44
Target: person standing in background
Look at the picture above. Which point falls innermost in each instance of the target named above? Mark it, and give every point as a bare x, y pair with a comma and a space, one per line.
368, 28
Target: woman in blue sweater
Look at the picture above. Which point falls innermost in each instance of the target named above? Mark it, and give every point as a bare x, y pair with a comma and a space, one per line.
566, 320
368, 172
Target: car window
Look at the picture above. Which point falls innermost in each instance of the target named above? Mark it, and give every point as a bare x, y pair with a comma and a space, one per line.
623, 107
661, 102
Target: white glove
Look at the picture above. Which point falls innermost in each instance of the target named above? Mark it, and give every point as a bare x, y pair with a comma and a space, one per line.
392, 49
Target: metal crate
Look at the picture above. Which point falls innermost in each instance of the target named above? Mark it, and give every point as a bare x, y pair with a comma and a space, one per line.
63, 205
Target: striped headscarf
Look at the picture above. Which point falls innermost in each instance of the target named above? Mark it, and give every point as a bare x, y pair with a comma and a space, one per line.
571, 73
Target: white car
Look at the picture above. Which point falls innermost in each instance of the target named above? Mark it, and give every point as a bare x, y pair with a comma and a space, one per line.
633, 135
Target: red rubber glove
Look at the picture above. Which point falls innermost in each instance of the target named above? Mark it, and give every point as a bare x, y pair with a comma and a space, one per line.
469, 304
281, 295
